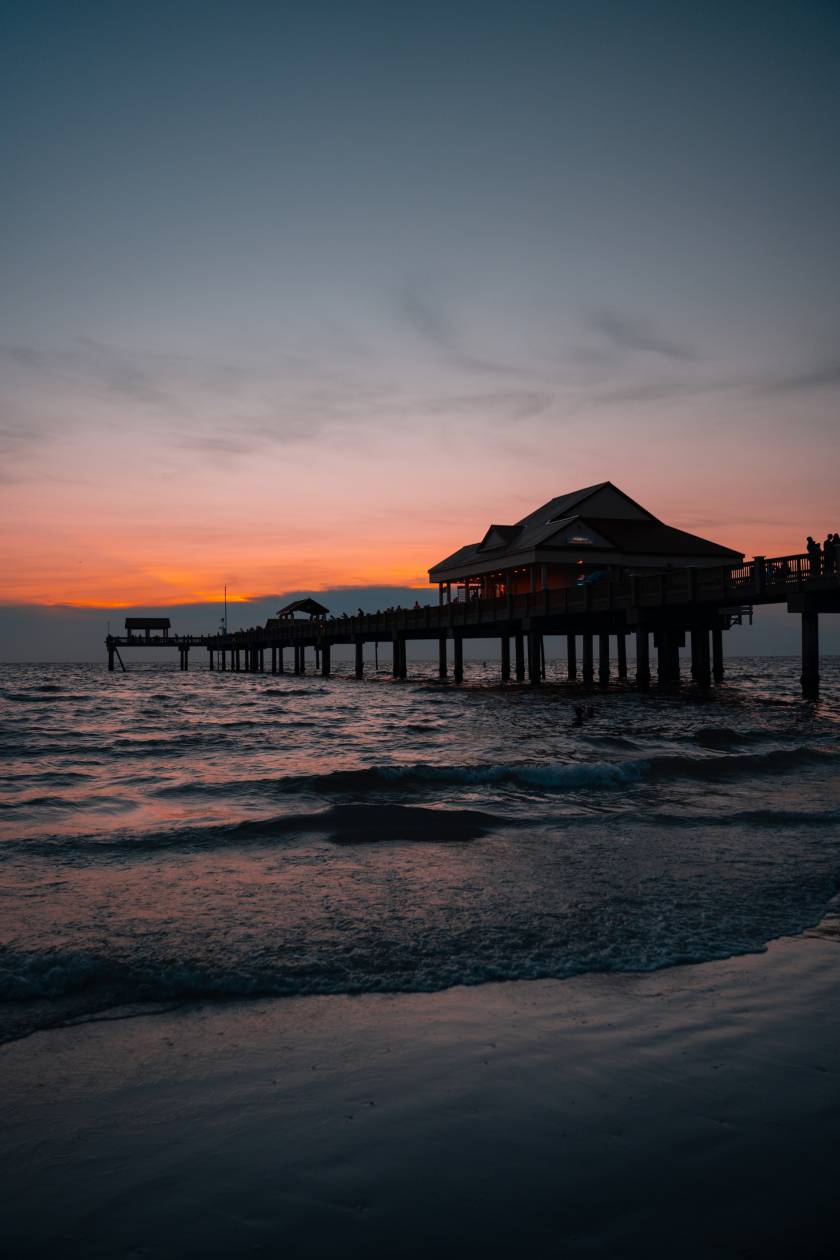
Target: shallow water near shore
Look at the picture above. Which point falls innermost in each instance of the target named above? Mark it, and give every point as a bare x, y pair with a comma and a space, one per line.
168, 836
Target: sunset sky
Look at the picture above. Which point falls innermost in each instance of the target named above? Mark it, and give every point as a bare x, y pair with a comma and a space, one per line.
304, 295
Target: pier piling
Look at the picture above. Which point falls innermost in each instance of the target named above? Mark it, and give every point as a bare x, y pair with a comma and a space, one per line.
810, 655
717, 654
519, 654
603, 659
587, 661
571, 657
621, 646
458, 658
642, 657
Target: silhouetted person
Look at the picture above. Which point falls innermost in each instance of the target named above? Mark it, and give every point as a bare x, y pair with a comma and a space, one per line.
582, 712
813, 549
832, 553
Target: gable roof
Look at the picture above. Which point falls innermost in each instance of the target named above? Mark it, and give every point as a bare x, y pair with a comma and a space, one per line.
618, 522
566, 504
310, 606
498, 536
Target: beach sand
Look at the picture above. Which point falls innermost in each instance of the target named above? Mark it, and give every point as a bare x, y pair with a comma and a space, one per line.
687, 1112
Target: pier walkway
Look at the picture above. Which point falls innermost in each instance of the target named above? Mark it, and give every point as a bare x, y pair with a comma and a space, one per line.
667, 605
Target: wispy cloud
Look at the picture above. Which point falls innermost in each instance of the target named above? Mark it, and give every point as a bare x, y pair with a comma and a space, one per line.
431, 322
823, 375
634, 333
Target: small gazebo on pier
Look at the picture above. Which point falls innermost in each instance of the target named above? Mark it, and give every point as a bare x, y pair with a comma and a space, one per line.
159, 626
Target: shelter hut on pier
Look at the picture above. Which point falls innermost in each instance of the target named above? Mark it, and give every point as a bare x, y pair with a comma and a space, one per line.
306, 607
159, 625
573, 539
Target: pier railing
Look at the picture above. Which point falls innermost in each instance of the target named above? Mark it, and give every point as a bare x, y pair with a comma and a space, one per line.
761, 580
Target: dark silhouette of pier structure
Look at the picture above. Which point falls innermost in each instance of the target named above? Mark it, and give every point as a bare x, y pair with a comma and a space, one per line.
662, 609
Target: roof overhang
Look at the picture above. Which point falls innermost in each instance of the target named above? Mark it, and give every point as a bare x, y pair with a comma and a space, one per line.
482, 565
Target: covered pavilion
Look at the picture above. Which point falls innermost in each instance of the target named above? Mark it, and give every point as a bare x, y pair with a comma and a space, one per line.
573, 539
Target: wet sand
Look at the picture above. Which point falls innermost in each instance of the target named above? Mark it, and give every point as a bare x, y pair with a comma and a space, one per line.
687, 1112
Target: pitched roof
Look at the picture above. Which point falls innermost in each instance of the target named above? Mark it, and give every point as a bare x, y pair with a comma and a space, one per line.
628, 528
310, 606
655, 538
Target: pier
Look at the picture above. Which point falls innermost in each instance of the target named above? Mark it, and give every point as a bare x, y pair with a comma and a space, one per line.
661, 610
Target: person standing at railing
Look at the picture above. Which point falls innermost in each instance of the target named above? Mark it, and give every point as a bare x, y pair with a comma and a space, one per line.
813, 549
831, 554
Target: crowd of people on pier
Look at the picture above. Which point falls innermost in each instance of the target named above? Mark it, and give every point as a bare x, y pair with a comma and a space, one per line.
826, 558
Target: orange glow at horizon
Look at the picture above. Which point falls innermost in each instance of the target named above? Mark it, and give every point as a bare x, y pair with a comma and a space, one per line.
119, 520
122, 577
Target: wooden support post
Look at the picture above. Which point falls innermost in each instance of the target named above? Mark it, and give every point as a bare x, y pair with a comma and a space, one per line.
668, 658
302, 658
642, 657
810, 655
542, 656
274, 658
519, 654
571, 657
717, 654
534, 658
700, 670
458, 658
395, 656
110, 658
280, 665
360, 658
505, 644
603, 659
442, 670
262, 660
587, 662
222, 659
325, 660
621, 644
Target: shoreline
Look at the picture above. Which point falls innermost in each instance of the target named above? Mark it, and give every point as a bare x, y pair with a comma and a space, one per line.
685, 1111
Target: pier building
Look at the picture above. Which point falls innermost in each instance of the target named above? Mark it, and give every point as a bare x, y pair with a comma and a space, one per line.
596, 531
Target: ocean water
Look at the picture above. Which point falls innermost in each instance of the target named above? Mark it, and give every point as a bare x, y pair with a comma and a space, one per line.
168, 837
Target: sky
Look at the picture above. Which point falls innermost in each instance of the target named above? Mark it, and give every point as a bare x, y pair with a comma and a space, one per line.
302, 296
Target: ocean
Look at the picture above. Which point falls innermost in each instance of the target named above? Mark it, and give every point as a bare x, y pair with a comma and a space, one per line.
169, 837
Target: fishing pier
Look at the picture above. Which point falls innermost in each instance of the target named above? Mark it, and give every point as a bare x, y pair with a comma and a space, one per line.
593, 566
660, 610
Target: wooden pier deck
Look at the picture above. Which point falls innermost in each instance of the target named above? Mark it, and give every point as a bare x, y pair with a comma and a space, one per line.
668, 605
